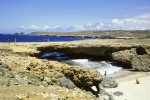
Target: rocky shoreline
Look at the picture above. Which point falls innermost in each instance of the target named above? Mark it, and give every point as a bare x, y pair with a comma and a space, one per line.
130, 56
18, 70
32, 78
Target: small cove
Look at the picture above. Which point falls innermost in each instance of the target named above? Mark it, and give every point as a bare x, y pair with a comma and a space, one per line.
110, 68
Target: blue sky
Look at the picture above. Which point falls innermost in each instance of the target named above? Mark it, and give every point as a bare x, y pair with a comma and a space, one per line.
73, 15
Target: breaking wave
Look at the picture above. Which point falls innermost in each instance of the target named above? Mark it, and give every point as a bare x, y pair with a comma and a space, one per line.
100, 66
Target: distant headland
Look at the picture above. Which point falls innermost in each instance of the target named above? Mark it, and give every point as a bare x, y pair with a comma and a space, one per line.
100, 34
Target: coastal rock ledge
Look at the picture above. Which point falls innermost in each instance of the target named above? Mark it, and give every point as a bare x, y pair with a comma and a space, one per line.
141, 62
138, 60
83, 77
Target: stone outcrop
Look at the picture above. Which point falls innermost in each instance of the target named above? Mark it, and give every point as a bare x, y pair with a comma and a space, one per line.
33, 72
137, 58
124, 57
94, 50
141, 62
43, 72
83, 77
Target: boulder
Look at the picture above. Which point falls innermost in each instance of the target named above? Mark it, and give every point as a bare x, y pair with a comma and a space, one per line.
141, 62
109, 82
124, 56
118, 93
83, 77
65, 82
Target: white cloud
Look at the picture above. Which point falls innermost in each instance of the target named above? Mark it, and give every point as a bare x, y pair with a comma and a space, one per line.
34, 27
102, 24
23, 27
143, 17
141, 22
56, 27
115, 21
78, 27
46, 27
89, 26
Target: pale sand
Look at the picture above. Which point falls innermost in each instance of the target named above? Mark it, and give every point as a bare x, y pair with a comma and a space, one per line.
131, 90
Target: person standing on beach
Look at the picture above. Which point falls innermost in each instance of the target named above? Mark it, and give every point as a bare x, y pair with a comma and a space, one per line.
105, 73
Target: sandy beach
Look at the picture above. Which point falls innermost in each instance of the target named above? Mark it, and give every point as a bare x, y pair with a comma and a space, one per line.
129, 88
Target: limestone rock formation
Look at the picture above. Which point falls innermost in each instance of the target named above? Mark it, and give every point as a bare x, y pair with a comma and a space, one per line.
83, 77
124, 56
141, 62
137, 58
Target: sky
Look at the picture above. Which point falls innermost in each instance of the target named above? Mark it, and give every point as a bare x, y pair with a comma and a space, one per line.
73, 15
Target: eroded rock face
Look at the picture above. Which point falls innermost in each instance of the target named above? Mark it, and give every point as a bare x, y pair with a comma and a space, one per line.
124, 56
137, 58
83, 77
141, 62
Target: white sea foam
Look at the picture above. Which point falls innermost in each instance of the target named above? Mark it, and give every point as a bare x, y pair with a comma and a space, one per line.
80, 60
100, 66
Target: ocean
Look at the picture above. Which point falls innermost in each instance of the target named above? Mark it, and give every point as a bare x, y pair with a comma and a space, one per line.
28, 38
